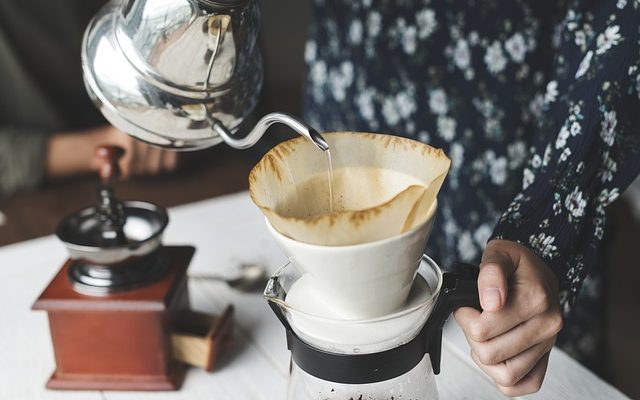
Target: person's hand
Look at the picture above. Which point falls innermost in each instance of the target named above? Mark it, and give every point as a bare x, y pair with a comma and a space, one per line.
74, 153
512, 337
140, 158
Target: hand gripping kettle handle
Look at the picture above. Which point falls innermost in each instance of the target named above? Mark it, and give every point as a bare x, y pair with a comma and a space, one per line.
459, 289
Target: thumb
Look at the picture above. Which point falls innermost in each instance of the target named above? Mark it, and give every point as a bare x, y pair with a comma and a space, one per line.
493, 280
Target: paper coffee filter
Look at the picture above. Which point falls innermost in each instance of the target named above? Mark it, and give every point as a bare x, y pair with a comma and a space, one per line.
382, 186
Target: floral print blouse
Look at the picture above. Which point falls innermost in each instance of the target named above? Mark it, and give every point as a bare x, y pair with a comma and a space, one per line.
537, 103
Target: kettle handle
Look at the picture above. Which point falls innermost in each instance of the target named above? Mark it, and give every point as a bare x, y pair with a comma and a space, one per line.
459, 289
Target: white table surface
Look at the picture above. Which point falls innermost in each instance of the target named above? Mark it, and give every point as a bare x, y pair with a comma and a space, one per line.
226, 231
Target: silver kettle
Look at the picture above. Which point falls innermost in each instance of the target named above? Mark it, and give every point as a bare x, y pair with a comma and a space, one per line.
180, 74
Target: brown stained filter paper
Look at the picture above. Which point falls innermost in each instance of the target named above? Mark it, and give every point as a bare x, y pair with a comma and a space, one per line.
383, 186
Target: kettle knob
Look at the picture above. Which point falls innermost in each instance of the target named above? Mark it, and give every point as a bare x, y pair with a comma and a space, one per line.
109, 158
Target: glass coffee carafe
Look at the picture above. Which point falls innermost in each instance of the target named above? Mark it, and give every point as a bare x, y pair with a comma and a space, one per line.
362, 307
389, 357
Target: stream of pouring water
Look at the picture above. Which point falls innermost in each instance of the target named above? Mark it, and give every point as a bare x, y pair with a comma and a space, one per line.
330, 178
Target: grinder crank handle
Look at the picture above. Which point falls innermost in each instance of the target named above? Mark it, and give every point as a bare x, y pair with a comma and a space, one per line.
459, 289
110, 211
109, 158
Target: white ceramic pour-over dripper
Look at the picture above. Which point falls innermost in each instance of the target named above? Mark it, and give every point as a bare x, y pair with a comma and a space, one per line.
360, 232
360, 281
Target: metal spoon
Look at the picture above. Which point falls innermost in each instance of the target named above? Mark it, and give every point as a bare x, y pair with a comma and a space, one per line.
252, 277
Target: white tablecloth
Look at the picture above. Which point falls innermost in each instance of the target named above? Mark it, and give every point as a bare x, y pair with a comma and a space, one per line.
226, 231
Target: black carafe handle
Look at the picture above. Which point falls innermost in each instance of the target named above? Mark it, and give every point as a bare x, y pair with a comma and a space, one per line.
459, 289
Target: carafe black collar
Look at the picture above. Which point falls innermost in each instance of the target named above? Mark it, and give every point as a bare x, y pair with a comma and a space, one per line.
459, 289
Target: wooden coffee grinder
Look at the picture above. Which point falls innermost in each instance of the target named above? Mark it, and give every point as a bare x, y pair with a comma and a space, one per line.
119, 307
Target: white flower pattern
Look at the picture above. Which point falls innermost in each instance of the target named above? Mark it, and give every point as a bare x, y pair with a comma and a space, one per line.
609, 38
446, 128
462, 54
427, 24
539, 125
494, 58
438, 102
516, 47
584, 64
543, 243
575, 203
552, 92
609, 123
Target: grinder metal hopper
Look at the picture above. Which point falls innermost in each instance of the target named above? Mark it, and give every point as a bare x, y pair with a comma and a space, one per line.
115, 244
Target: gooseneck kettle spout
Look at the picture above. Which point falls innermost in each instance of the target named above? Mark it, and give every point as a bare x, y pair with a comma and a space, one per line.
180, 74
261, 127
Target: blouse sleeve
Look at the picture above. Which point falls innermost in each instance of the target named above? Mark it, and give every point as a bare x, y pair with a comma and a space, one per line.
22, 158
588, 150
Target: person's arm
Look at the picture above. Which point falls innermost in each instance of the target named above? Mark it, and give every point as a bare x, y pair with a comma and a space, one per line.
546, 242
73, 153
27, 157
22, 155
589, 161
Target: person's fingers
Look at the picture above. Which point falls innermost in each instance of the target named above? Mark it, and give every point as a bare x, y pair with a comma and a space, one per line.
140, 151
525, 302
128, 159
153, 161
511, 371
466, 316
136, 152
531, 383
493, 280
169, 160
541, 328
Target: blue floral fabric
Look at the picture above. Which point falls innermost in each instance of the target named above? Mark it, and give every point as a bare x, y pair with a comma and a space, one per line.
537, 103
